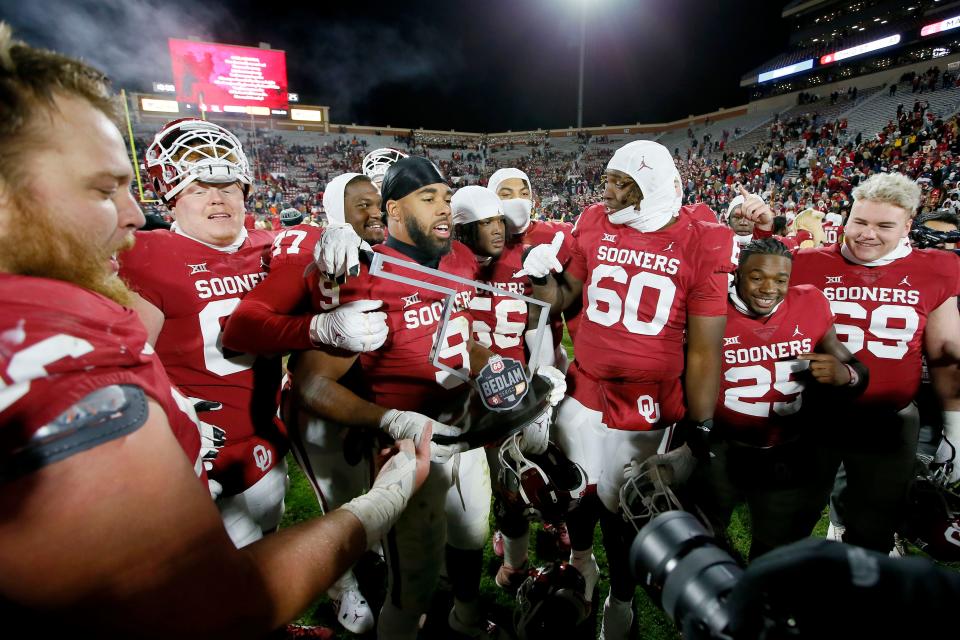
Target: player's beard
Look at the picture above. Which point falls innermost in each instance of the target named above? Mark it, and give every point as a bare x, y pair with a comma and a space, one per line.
434, 247
35, 246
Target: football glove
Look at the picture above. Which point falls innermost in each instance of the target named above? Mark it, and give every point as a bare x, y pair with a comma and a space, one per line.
354, 326
337, 255
403, 425
542, 259
380, 507
676, 466
947, 451
536, 436
558, 384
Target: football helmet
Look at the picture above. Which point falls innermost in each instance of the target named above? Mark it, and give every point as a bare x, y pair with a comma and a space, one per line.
925, 238
543, 486
189, 149
647, 492
932, 522
550, 602
376, 163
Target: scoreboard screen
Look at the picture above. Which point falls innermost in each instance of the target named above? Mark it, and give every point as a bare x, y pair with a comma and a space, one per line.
227, 78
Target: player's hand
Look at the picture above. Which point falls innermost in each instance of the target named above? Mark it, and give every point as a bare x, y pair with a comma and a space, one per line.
354, 326
212, 437
755, 209
558, 383
542, 259
337, 255
404, 425
826, 369
536, 436
676, 466
946, 456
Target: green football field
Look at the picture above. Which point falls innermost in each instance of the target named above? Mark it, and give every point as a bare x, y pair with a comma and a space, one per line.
651, 622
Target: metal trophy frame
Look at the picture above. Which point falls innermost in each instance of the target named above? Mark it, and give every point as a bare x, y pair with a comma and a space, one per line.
476, 432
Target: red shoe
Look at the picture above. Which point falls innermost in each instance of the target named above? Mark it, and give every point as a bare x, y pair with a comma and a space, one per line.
498, 544
509, 578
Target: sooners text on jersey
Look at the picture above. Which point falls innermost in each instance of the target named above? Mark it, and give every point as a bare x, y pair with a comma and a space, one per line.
638, 289
197, 287
761, 383
881, 312
400, 374
499, 322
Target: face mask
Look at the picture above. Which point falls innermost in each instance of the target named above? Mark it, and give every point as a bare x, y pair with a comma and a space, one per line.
743, 240
517, 214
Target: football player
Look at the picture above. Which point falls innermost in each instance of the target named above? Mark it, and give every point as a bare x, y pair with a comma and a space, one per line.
892, 303
779, 340
188, 280
336, 473
499, 323
400, 381
513, 188
108, 527
649, 273
743, 227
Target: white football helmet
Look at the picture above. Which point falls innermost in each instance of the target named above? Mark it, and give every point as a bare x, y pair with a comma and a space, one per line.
189, 149
376, 163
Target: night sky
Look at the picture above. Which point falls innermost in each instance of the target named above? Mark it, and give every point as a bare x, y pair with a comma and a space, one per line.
489, 65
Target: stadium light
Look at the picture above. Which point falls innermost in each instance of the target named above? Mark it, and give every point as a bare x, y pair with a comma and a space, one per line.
583, 44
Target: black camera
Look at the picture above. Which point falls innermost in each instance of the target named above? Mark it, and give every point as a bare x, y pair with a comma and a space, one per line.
682, 565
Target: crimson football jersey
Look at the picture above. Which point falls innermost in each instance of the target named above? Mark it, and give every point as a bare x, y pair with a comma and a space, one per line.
275, 317
882, 312
638, 289
59, 343
400, 374
499, 322
197, 287
759, 389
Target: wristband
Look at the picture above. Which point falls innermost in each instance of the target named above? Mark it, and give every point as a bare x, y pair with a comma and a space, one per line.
854, 378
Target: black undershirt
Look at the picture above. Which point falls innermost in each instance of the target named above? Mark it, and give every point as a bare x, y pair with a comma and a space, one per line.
418, 255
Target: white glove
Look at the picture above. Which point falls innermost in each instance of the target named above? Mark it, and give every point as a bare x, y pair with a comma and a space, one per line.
542, 259
380, 507
947, 451
676, 466
337, 255
536, 436
558, 384
403, 425
212, 439
354, 326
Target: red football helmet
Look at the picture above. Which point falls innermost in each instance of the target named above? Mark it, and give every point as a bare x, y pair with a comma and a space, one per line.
647, 494
550, 602
543, 486
189, 149
933, 519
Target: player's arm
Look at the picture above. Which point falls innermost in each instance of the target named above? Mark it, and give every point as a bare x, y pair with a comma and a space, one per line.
316, 382
832, 364
702, 375
266, 321
151, 317
551, 283
941, 339
152, 558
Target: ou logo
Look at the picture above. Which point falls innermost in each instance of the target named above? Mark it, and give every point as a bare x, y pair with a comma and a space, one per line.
648, 409
262, 457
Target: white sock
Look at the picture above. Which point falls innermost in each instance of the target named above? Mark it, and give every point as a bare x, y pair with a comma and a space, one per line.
578, 558
515, 551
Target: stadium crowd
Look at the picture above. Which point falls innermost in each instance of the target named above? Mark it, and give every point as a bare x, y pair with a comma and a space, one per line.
146, 409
